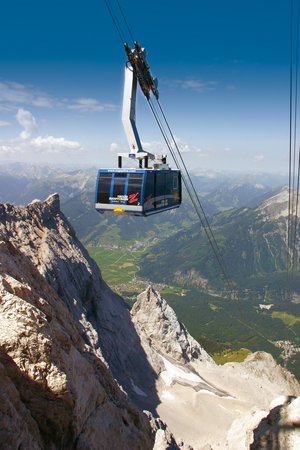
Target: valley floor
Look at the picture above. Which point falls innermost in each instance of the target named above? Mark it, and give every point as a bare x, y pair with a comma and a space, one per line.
229, 330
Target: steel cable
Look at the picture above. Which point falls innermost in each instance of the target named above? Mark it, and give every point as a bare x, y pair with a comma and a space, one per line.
186, 176
293, 174
190, 190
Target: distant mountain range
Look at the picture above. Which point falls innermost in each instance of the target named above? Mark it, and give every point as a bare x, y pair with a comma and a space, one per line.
22, 183
252, 242
242, 211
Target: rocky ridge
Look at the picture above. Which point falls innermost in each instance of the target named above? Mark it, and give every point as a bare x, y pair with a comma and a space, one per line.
276, 206
58, 323
200, 400
155, 320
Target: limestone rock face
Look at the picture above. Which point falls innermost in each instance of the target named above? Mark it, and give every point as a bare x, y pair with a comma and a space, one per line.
157, 323
56, 390
276, 206
278, 427
74, 360
200, 401
42, 233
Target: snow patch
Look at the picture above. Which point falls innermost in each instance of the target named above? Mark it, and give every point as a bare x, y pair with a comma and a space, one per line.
266, 306
166, 395
173, 372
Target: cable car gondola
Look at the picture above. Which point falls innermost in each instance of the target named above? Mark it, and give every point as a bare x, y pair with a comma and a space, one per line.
141, 191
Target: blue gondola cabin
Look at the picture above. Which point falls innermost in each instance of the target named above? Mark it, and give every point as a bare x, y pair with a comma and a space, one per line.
138, 192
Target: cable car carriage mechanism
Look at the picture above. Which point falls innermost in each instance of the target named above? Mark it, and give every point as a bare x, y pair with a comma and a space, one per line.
144, 190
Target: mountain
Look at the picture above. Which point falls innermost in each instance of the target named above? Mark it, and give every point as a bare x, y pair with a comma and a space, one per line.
276, 206
199, 400
244, 191
77, 368
21, 183
252, 243
59, 391
267, 429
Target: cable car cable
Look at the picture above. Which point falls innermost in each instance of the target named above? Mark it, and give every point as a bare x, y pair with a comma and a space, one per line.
290, 145
294, 262
194, 197
291, 103
295, 105
117, 25
292, 218
125, 21
295, 172
191, 190
207, 226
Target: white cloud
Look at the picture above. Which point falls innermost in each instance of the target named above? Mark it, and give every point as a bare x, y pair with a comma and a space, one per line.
15, 94
44, 101
114, 147
4, 123
27, 121
195, 85
42, 145
154, 147
29, 146
51, 144
6, 149
89, 105
185, 147
259, 157
157, 147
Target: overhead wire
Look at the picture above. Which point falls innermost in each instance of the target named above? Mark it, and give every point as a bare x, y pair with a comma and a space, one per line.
295, 175
190, 188
288, 256
205, 222
194, 198
125, 21
293, 171
294, 256
180, 164
115, 21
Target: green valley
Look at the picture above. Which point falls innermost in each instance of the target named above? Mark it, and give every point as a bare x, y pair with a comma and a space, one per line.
175, 256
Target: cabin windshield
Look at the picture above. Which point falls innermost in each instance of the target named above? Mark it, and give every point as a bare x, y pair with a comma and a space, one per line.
104, 188
118, 194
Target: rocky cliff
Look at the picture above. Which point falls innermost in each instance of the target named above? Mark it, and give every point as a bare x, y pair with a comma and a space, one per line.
62, 332
200, 400
77, 368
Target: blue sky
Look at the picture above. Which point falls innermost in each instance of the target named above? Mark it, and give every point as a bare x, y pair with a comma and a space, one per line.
223, 71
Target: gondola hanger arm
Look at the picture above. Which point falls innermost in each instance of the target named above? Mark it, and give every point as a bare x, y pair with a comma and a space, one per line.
137, 72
